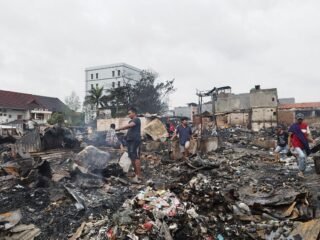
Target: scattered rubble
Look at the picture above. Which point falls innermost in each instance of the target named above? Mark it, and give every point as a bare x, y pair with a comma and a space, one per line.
234, 192
58, 137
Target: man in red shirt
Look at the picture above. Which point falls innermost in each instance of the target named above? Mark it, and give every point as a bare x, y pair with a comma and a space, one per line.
298, 141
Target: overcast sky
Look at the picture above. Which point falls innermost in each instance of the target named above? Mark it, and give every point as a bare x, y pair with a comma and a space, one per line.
46, 45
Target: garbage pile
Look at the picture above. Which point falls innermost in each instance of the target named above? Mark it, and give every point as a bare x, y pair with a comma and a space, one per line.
237, 192
150, 213
58, 137
48, 195
228, 195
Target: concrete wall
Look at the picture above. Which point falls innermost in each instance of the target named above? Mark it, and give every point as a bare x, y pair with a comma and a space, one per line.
104, 124
263, 118
186, 111
207, 107
230, 102
261, 102
287, 116
286, 100
206, 122
264, 98
236, 119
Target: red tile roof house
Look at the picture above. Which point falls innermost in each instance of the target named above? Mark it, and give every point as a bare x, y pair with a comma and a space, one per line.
18, 106
287, 112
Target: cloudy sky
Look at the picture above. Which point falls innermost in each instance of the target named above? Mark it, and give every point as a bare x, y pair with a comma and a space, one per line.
45, 45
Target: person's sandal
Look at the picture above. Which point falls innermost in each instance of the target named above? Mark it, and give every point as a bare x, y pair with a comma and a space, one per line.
135, 180
131, 174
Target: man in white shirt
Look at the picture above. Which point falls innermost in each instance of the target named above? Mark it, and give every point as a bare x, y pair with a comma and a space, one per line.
31, 124
111, 137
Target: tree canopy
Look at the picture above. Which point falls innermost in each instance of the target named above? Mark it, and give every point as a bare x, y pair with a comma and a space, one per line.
73, 101
147, 95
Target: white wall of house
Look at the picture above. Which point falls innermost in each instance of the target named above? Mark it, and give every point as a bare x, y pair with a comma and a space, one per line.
9, 115
41, 116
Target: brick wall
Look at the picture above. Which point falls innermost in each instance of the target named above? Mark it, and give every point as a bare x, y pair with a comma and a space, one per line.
286, 117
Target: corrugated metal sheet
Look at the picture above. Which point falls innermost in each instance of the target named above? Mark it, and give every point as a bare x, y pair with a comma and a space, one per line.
30, 142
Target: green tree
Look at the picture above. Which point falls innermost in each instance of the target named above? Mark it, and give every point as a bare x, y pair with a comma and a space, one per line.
148, 94
76, 118
56, 118
96, 98
118, 100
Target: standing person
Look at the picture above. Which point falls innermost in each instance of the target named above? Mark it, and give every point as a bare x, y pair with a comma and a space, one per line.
133, 142
24, 126
111, 137
31, 124
170, 127
299, 136
184, 132
282, 142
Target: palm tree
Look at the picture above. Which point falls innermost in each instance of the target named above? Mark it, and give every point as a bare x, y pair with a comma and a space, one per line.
96, 98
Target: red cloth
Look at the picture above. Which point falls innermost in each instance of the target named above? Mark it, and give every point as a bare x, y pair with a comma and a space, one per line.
172, 128
295, 140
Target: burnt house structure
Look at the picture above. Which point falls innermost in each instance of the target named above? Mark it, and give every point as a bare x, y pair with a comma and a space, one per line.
287, 112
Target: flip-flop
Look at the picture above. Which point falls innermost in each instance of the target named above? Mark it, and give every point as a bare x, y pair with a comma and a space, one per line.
131, 174
136, 181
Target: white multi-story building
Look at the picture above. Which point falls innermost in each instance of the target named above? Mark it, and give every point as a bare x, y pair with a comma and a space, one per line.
109, 76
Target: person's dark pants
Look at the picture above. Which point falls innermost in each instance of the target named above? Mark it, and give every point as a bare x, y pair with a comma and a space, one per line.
134, 155
133, 150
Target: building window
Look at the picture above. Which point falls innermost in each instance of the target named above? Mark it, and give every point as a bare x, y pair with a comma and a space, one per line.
273, 99
119, 73
5, 114
97, 75
19, 117
91, 86
119, 84
97, 85
91, 75
113, 84
113, 74
0, 114
9, 116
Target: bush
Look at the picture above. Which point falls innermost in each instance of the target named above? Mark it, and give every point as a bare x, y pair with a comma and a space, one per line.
56, 118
